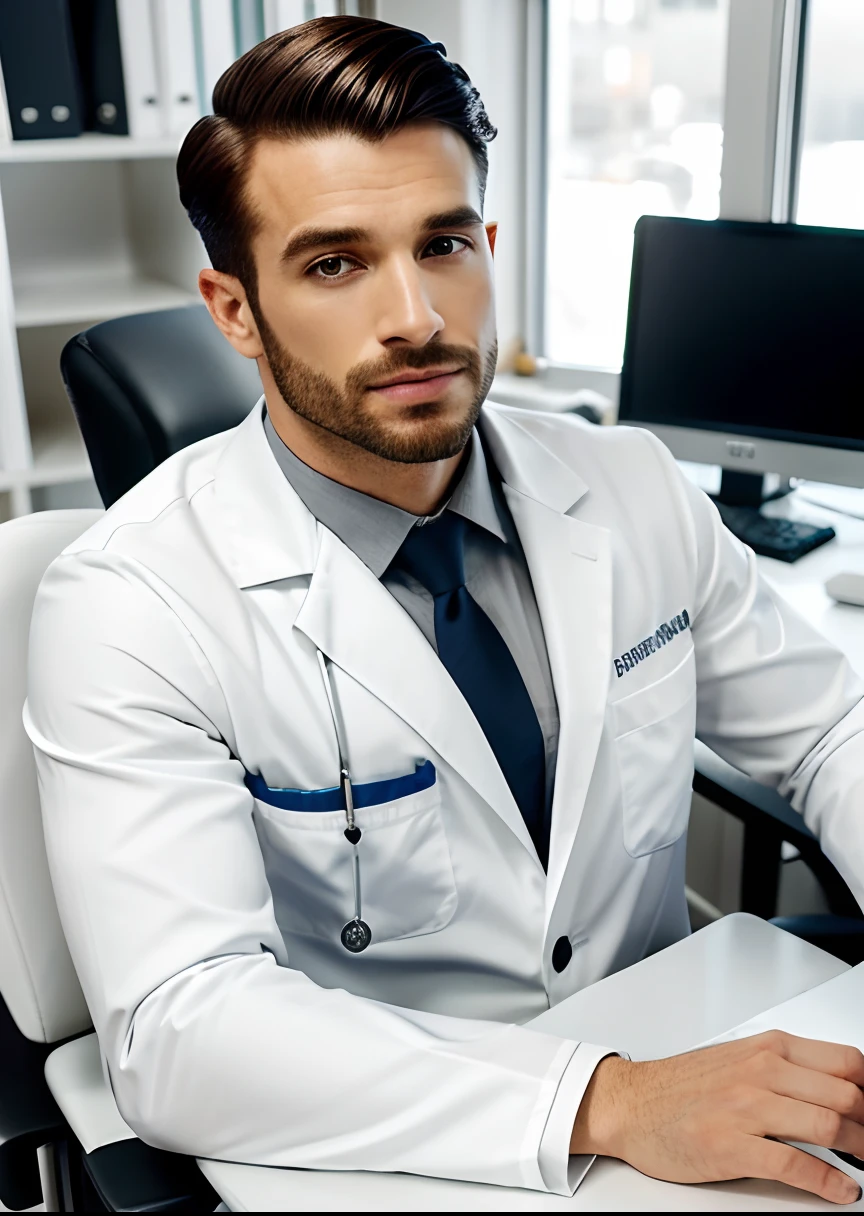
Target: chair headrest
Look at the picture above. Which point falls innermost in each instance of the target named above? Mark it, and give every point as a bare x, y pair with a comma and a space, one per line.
144, 387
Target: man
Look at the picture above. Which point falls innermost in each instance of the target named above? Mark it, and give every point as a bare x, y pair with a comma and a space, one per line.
504, 627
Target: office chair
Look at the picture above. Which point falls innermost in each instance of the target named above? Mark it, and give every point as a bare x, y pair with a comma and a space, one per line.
769, 823
61, 1137
147, 386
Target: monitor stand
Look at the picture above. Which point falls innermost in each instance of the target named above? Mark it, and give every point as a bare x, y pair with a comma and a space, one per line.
739, 489
741, 495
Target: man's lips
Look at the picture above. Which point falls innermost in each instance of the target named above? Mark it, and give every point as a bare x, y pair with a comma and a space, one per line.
412, 387
423, 373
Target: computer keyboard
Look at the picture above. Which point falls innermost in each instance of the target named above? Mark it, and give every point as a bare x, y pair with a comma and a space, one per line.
784, 539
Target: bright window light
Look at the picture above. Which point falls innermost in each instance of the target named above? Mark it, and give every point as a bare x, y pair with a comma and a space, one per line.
586, 12
634, 127
617, 66
831, 181
619, 12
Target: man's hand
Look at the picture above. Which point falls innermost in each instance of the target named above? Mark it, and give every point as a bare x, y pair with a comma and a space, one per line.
718, 1113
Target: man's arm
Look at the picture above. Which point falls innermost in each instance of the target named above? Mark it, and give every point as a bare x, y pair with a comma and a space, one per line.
215, 1046
779, 702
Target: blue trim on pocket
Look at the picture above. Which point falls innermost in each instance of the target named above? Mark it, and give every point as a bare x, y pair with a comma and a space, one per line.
371, 793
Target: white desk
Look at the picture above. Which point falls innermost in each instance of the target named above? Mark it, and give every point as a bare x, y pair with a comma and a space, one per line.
707, 983
802, 583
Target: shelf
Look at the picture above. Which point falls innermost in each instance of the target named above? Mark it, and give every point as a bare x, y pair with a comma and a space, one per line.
93, 299
91, 146
59, 456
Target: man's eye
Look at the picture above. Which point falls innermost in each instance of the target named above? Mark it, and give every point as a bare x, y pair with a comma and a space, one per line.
443, 246
331, 268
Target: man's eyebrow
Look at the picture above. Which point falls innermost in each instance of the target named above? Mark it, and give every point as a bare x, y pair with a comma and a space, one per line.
459, 217
308, 239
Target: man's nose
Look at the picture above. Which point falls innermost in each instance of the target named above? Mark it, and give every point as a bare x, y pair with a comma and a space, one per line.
406, 313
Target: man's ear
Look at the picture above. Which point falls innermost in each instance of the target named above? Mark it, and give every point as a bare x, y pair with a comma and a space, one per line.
228, 305
491, 234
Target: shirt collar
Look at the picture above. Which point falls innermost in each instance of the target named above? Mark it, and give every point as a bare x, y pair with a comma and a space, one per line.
373, 529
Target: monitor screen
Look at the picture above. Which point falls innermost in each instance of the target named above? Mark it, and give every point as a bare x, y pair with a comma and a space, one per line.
756, 329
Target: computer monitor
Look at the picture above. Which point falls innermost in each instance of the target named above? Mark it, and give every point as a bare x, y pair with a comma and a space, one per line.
745, 346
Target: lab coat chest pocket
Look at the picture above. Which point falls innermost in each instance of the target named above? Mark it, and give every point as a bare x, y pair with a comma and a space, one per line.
407, 882
654, 730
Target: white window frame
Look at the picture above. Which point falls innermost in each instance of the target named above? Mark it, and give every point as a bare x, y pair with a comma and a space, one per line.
761, 147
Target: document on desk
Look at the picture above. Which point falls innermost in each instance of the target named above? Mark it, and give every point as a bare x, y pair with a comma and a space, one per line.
833, 1012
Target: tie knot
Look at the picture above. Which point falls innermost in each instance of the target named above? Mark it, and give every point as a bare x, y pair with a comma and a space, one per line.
433, 554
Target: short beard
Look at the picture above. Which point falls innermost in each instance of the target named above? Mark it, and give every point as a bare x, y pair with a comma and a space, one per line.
319, 399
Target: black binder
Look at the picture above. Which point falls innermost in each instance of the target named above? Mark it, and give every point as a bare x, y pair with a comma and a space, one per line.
97, 42
37, 49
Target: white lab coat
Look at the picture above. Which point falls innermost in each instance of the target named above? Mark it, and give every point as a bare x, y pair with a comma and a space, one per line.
174, 645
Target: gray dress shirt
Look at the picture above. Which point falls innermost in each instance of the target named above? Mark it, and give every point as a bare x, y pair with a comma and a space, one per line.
496, 572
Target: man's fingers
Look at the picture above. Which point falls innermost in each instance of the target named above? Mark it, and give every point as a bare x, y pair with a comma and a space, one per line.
786, 1119
836, 1059
782, 1163
818, 1088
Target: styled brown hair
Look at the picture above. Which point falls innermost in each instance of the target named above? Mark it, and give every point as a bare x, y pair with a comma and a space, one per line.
346, 75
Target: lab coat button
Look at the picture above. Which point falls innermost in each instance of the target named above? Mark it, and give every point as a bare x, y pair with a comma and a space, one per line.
562, 952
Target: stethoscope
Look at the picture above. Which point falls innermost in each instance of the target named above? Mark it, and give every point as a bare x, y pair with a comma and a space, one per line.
356, 934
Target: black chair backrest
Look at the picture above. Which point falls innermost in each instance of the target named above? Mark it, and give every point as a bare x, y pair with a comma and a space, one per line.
144, 387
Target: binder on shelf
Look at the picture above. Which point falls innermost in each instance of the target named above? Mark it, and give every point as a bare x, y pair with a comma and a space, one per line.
175, 58
138, 57
215, 47
40, 71
5, 128
248, 24
97, 42
282, 14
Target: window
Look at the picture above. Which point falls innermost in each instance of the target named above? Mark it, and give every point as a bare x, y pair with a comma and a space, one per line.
634, 126
831, 176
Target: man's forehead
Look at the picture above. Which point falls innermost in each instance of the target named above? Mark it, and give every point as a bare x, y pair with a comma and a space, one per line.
342, 179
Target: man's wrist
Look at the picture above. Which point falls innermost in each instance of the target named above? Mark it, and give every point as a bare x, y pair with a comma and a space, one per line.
602, 1112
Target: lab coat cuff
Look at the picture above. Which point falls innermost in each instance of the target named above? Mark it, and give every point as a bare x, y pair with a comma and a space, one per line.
561, 1172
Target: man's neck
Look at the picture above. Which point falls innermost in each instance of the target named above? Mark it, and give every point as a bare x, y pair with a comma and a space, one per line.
417, 488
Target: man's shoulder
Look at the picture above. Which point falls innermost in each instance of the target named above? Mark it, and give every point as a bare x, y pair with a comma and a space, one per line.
585, 447
167, 491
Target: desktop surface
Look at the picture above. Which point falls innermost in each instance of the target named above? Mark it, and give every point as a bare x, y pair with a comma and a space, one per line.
667, 1003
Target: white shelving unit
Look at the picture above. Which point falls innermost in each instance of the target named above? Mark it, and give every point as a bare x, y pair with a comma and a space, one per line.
90, 228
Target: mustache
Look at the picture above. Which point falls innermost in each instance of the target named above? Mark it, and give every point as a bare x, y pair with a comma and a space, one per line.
413, 358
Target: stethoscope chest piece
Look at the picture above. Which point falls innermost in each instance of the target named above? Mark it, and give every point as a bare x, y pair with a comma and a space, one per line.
356, 936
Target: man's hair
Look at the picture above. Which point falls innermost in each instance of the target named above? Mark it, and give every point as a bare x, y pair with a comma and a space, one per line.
333, 75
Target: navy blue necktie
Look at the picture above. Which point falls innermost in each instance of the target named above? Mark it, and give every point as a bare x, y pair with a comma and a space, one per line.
477, 658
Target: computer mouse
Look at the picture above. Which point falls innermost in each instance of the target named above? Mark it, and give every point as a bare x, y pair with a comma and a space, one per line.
847, 587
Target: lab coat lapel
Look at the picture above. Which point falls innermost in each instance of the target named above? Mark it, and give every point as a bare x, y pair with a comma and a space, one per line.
355, 621
570, 565
570, 569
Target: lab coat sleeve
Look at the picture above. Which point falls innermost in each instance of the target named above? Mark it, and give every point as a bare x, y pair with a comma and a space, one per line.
214, 1045
562, 1172
774, 697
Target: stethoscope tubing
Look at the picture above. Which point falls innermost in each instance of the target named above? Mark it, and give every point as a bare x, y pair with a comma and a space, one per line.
356, 934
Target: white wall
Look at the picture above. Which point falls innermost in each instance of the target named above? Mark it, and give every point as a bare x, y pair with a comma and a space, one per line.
487, 38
